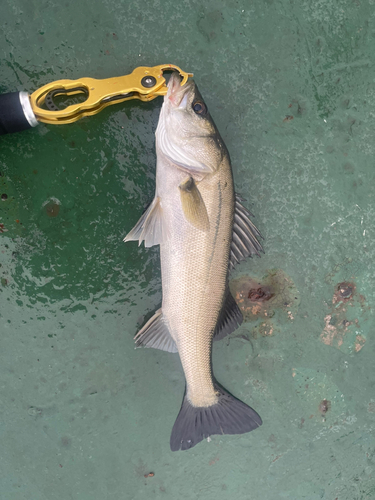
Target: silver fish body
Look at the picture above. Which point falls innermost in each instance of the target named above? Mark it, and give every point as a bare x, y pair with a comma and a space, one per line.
202, 229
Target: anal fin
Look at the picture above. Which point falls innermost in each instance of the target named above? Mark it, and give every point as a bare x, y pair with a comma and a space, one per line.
155, 334
230, 318
151, 227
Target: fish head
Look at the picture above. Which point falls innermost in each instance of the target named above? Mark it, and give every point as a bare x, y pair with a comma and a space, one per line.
186, 133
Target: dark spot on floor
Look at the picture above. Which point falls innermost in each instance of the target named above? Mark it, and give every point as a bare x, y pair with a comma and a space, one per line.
288, 118
348, 168
324, 406
52, 209
345, 290
66, 442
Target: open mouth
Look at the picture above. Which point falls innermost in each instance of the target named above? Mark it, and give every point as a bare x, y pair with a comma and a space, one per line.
177, 95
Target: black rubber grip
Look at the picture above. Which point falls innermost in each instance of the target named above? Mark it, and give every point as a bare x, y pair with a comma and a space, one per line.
12, 117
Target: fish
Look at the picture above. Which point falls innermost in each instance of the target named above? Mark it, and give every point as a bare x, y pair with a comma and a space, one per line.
203, 231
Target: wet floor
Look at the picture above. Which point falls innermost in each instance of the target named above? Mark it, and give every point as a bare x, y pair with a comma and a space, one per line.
291, 87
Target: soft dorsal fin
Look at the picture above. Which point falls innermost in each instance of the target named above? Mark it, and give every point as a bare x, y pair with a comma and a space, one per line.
151, 227
193, 205
230, 317
155, 334
245, 242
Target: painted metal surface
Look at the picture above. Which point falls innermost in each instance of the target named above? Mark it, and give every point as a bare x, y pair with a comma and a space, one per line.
296, 109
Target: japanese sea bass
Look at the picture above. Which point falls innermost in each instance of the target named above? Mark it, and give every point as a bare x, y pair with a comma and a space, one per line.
203, 231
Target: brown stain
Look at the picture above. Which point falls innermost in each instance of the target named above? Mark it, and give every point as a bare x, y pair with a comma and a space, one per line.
52, 209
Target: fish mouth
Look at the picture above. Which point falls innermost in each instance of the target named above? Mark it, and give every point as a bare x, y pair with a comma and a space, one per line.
177, 95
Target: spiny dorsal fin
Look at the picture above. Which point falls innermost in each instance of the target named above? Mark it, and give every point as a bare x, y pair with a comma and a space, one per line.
193, 205
151, 227
155, 334
230, 318
245, 242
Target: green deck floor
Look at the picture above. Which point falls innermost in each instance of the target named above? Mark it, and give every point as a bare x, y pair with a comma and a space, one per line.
83, 416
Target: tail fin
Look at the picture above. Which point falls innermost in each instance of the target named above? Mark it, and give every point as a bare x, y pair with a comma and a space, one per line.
228, 416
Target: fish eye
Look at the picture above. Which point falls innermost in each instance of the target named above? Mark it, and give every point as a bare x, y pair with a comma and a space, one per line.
199, 107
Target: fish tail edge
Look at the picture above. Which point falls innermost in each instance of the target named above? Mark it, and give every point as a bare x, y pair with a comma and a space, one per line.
228, 416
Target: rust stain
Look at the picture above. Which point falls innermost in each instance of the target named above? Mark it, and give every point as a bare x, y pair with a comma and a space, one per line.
260, 294
344, 292
263, 298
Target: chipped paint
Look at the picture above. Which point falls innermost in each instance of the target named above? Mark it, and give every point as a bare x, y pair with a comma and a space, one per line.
341, 326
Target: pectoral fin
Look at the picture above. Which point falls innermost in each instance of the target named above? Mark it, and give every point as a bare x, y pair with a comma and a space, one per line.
193, 205
151, 227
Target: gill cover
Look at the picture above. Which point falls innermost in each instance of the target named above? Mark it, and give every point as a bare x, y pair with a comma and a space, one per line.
186, 134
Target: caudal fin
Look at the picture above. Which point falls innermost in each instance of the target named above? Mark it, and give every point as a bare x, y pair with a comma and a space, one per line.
228, 416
